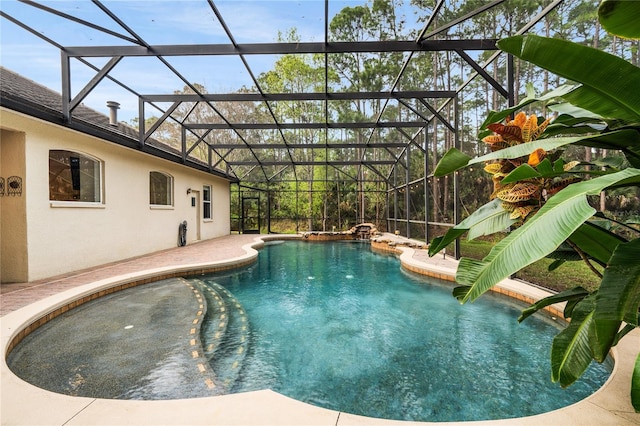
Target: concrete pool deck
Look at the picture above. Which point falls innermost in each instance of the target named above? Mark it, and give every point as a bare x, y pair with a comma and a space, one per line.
25, 305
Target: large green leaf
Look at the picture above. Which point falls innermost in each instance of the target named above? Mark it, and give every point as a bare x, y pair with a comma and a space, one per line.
614, 162
439, 243
617, 140
543, 170
576, 293
569, 112
488, 219
537, 237
591, 99
597, 242
613, 78
498, 116
564, 252
631, 152
620, 17
571, 119
523, 171
570, 351
614, 223
618, 297
632, 181
454, 159
628, 328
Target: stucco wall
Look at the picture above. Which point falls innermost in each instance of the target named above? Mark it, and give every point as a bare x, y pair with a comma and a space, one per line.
76, 235
13, 216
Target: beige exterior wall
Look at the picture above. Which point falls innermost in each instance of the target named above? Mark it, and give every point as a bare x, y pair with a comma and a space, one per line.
13, 211
64, 237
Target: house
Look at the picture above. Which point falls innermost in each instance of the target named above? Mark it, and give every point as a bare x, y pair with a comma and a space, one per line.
83, 192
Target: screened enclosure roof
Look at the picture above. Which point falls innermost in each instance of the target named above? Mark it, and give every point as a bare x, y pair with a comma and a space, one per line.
262, 91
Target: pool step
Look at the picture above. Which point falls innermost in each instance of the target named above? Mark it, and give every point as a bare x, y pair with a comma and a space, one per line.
232, 350
215, 321
224, 333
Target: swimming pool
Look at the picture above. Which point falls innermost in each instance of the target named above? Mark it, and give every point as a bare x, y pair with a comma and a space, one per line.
353, 328
341, 327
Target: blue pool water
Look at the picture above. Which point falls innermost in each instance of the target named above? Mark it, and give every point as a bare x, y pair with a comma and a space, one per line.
341, 327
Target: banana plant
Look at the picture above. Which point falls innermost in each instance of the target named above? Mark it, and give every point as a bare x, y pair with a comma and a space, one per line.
538, 192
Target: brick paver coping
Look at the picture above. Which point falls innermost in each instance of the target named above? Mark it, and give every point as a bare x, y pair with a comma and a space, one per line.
17, 295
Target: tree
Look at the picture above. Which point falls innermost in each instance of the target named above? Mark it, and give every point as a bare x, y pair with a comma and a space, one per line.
545, 196
360, 71
299, 74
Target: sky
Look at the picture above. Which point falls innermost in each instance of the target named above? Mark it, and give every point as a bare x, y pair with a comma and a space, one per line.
162, 22
157, 22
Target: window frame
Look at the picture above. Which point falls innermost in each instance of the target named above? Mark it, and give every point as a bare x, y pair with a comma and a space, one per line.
170, 191
206, 189
98, 179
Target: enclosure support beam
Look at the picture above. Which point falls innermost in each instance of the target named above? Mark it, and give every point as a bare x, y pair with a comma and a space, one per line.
297, 206
66, 86
94, 82
511, 97
388, 210
269, 212
407, 199
317, 125
309, 96
456, 179
282, 48
426, 184
395, 199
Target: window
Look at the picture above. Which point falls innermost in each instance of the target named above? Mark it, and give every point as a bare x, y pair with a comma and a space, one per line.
206, 202
160, 189
74, 177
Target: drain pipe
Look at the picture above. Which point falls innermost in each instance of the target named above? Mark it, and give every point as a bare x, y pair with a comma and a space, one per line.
113, 112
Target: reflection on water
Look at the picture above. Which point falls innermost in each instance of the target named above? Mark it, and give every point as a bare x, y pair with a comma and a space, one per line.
333, 325
344, 328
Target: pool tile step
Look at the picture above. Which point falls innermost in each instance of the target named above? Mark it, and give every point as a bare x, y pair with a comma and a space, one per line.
215, 321
231, 346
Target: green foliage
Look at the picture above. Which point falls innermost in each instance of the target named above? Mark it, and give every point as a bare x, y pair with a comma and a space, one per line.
575, 294
618, 298
608, 83
595, 241
570, 352
488, 219
603, 109
557, 220
625, 140
620, 17
572, 273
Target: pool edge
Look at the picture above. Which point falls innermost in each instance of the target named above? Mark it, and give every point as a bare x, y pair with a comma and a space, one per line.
609, 405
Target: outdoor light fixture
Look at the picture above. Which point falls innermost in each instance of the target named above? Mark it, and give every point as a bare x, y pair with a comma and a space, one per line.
188, 191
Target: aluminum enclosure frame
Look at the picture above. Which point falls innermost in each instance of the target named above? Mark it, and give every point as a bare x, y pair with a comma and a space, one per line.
218, 159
